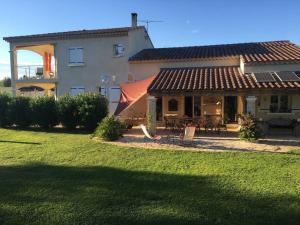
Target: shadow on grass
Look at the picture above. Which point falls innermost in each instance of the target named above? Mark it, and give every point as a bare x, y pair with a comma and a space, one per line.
52, 130
21, 142
43, 194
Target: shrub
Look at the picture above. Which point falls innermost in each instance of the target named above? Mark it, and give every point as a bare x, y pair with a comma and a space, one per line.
7, 82
44, 111
249, 130
19, 112
68, 111
5, 101
110, 129
92, 109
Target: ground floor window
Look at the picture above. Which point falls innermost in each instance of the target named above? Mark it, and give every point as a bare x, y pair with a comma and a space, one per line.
280, 104
77, 90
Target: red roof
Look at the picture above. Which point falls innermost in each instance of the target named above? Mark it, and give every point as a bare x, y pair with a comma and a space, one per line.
250, 52
229, 78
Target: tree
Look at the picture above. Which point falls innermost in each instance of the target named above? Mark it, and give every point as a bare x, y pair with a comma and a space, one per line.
7, 82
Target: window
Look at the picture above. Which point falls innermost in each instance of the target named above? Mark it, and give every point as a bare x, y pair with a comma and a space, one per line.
119, 50
77, 90
76, 55
172, 105
280, 104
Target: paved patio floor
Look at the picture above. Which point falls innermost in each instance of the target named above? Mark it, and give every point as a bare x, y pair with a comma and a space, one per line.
210, 141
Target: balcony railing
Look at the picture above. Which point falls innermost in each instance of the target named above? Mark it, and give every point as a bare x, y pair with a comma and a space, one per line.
31, 72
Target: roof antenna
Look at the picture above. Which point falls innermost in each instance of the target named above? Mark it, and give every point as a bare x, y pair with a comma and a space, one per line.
150, 21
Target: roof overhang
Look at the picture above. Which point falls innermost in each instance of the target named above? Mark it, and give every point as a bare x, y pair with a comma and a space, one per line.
123, 31
214, 80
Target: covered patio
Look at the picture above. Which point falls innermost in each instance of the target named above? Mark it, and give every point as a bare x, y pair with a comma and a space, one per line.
218, 95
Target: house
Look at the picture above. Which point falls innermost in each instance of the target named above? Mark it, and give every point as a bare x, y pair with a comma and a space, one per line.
78, 61
220, 81
214, 81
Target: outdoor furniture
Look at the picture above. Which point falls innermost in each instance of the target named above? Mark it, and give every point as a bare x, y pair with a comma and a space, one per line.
146, 133
189, 133
39, 72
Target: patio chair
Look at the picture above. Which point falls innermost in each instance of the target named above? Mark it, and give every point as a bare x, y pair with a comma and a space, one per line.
39, 72
147, 135
188, 135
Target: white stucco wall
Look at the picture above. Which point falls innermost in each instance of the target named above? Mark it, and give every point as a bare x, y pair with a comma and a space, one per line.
98, 59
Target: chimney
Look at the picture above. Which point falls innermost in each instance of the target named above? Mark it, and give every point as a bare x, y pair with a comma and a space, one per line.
134, 19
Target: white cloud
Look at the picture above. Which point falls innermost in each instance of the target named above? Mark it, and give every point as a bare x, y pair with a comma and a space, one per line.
195, 31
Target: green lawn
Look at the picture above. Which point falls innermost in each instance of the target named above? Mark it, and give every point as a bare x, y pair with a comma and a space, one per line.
58, 178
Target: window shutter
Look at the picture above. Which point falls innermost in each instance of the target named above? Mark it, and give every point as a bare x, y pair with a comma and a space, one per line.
75, 55
77, 90
114, 94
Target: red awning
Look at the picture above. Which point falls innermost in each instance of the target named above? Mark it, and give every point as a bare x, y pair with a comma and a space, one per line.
131, 92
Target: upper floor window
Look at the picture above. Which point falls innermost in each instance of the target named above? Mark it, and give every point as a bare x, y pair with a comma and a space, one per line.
76, 55
280, 104
119, 50
173, 105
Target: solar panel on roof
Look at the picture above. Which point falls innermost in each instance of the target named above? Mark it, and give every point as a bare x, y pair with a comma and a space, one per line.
264, 77
287, 76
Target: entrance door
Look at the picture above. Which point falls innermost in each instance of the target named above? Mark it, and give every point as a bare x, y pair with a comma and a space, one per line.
230, 108
188, 106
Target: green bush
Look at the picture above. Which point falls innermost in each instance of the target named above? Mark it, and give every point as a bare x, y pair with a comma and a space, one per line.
7, 82
249, 130
5, 101
68, 111
92, 109
20, 110
110, 129
44, 111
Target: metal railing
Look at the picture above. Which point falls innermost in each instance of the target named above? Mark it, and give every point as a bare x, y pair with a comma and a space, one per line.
28, 72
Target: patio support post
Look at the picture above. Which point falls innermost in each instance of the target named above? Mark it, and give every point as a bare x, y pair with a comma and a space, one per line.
151, 115
13, 69
251, 105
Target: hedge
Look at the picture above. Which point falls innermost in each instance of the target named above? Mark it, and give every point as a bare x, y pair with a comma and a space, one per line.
20, 111
44, 112
84, 110
92, 109
5, 101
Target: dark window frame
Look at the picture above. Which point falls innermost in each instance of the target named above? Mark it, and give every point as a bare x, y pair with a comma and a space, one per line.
280, 104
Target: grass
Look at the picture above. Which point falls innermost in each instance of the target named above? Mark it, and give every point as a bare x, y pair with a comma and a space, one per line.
60, 178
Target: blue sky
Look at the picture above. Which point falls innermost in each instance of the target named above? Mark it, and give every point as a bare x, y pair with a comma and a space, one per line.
186, 22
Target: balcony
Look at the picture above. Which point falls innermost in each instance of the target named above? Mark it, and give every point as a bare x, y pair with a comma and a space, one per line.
35, 73
34, 64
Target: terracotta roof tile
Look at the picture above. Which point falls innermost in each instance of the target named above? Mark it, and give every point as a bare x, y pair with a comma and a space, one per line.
170, 80
250, 52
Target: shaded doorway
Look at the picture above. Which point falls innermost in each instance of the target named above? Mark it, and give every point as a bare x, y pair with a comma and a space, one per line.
230, 108
188, 106
159, 109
